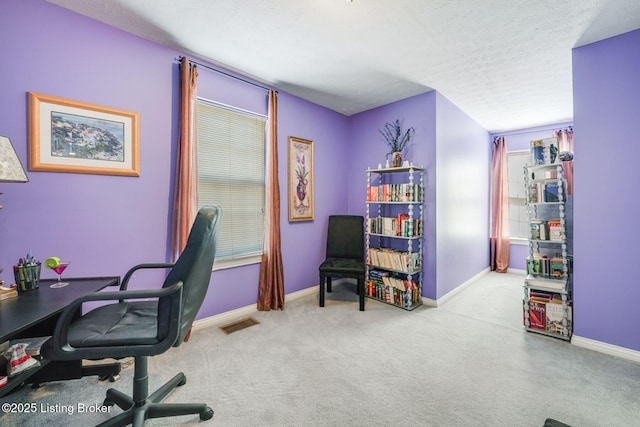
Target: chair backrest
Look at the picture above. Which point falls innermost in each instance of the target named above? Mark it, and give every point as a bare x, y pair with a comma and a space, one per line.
193, 268
345, 237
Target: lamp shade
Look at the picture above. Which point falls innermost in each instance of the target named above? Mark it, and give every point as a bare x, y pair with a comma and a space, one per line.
11, 169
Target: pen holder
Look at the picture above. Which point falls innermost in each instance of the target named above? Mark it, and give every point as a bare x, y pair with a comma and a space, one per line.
27, 277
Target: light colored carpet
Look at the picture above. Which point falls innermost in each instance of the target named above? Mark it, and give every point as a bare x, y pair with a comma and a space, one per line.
466, 363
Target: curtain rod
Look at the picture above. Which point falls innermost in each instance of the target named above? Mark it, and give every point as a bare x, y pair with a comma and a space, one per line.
225, 74
524, 132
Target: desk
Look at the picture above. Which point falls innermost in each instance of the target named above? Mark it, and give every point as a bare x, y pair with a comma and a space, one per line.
34, 313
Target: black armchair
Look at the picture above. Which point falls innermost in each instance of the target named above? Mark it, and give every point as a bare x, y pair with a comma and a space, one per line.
345, 254
141, 328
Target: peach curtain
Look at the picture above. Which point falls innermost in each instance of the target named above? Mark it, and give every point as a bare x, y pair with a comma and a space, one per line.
565, 141
271, 286
185, 203
499, 239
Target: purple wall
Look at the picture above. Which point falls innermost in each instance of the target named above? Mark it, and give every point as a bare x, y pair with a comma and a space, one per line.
105, 224
454, 151
367, 148
607, 200
462, 176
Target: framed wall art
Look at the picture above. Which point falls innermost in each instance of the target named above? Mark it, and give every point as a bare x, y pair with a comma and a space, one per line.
300, 179
73, 136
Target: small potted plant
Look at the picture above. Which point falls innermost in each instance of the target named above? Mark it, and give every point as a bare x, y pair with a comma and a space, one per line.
396, 140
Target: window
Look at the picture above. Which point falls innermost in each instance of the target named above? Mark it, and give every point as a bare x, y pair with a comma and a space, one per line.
231, 174
518, 222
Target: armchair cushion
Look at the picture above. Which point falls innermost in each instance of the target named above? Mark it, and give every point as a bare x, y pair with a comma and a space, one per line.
122, 324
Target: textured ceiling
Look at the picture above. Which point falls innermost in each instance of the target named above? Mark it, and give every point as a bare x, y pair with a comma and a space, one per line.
505, 63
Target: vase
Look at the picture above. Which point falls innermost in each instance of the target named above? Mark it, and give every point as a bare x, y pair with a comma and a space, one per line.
301, 190
396, 160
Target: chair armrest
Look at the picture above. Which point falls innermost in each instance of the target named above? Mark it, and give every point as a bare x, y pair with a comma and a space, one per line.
127, 276
61, 349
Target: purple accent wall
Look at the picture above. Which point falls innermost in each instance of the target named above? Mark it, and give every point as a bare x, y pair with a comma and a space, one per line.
454, 151
367, 148
462, 176
105, 224
607, 200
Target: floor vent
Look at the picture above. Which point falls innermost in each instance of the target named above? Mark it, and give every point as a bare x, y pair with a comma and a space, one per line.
239, 325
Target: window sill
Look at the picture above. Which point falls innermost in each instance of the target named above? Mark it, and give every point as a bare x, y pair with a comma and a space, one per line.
518, 241
223, 264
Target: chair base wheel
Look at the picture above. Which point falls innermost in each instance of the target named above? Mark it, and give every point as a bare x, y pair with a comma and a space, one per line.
206, 415
183, 382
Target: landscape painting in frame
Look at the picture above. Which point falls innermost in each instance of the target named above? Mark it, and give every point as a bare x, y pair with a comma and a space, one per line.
300, 179
73, 136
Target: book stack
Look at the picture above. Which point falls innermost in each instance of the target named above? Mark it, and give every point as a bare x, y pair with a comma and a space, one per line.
401, 225
394, 193
395, 260
540, 264
547, 191
550, 230
555, 230
546, 313
538, 229
545, 151
391, 288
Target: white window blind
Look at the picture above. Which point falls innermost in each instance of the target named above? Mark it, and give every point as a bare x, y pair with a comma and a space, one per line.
231, 163
518, 220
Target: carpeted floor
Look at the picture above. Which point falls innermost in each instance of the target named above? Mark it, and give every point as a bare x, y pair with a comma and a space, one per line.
466, 363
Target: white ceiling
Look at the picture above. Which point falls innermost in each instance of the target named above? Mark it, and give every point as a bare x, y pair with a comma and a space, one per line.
505, 63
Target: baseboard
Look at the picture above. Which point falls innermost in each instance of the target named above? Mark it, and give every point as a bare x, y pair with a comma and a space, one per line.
457, 290
232, 315
610, 349
517, 271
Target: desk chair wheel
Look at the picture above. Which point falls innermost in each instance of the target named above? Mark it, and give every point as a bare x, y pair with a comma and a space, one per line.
182, 382
206, 415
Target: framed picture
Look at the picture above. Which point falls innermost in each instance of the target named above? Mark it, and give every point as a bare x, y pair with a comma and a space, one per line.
300, 179
76, 137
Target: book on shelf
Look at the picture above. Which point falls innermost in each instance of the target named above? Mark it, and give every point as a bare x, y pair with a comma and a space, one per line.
541, 296
538, 315
556, 267
548, 313
392, 288
538, 263
551, 191
401, 226
538, 229
394, 193
394, 260
555, 230
545, 151
550, 230
552, 266
556, 316
547, 191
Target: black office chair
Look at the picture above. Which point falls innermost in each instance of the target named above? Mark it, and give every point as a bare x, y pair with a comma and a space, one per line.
142, 328
345, 254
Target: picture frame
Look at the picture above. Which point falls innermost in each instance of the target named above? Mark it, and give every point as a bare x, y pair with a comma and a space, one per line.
301, 184
78, 137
